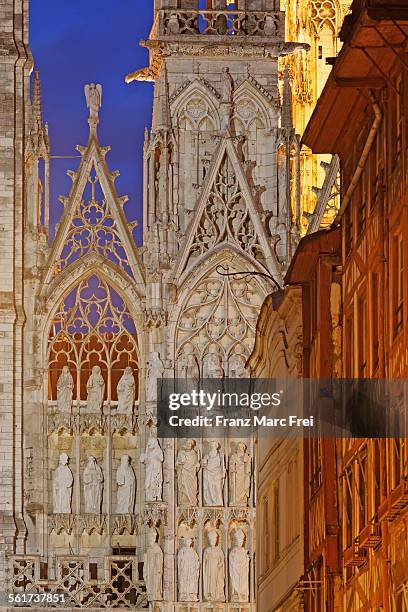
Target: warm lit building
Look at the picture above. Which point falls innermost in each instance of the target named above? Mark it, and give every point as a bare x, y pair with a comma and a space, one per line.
355, 320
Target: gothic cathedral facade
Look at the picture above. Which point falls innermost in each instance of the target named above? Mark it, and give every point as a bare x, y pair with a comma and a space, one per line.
92, 504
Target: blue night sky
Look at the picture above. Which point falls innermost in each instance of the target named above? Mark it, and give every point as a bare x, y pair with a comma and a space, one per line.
81, 41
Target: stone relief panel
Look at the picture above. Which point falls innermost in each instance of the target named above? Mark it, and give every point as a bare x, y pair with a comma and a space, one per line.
92, 351
216, 327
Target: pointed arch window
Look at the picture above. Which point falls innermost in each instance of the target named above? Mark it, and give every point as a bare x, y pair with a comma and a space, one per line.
92, 326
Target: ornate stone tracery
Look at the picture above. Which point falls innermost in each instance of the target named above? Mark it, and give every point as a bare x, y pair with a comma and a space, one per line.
92, 326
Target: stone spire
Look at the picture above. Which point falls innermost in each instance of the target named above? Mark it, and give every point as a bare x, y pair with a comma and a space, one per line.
161, 110
287, 119
36, 101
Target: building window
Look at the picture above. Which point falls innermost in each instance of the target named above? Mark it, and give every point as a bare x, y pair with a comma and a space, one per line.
348, 506
313, 305
362, 338
362, 490
375, 303
376, 476
315, 465
397, 458
398, 283
266, 534
349, 348
348, 222
399, 113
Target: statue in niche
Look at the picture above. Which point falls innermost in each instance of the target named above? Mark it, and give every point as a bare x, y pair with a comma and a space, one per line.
213, 570
237, 367
239, 476
187, 467
93, 95
155, 373
153, 459
189, 365
214, 366
153, 568
239, 569
62, 484
93, 486
188, 571
213, 476
126, 482
96, 390
126, 391
65, 387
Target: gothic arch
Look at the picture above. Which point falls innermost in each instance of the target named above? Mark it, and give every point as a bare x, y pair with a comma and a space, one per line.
216, 315
91, 324
197, 101
250, 104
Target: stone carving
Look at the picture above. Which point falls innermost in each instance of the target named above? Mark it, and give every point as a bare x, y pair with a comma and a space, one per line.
93, 486
214, 366
126, 482
213, 476
187, 467
153, 568
65, 386
93, 95
228, 86
213, 570
153, 459
239, 476
154, 373
62, 484
188, 571
239, 569
96, 390
126, 391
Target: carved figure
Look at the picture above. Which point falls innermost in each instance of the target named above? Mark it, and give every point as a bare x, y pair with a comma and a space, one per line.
213, 570
187, 466
126, 391
240, 476
153, 568
239, 569
96, 390
154, 373
153, 459
62, 483
126, 482
93, 486
213, 476
65, 386
188, 570
93, 95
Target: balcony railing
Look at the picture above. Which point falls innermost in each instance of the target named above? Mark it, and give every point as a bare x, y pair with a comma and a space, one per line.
265, 24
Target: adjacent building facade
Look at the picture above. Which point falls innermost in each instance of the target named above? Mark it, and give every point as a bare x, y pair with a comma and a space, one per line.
353, 310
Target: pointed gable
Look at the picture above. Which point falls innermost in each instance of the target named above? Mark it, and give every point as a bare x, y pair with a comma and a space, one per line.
226, 214
93, 221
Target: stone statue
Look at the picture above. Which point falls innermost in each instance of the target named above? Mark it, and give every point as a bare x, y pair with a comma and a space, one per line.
93, 486
65, 386
214, 367
62, 483
126, 481
239, 476
126, 391
213, 570
93, 95
213, 476
96, 390
154, 373
239, 569
227, 86
153, 568
188, 570
187, 467
153, 459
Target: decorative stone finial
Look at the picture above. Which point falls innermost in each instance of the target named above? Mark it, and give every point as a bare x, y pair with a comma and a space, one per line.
93, 95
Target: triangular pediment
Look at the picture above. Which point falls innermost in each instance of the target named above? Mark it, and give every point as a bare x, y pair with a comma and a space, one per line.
226, 214
93, 221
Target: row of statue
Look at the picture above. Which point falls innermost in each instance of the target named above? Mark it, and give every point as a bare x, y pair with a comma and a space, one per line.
188, 465
92, 481
95, 387
189, 566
